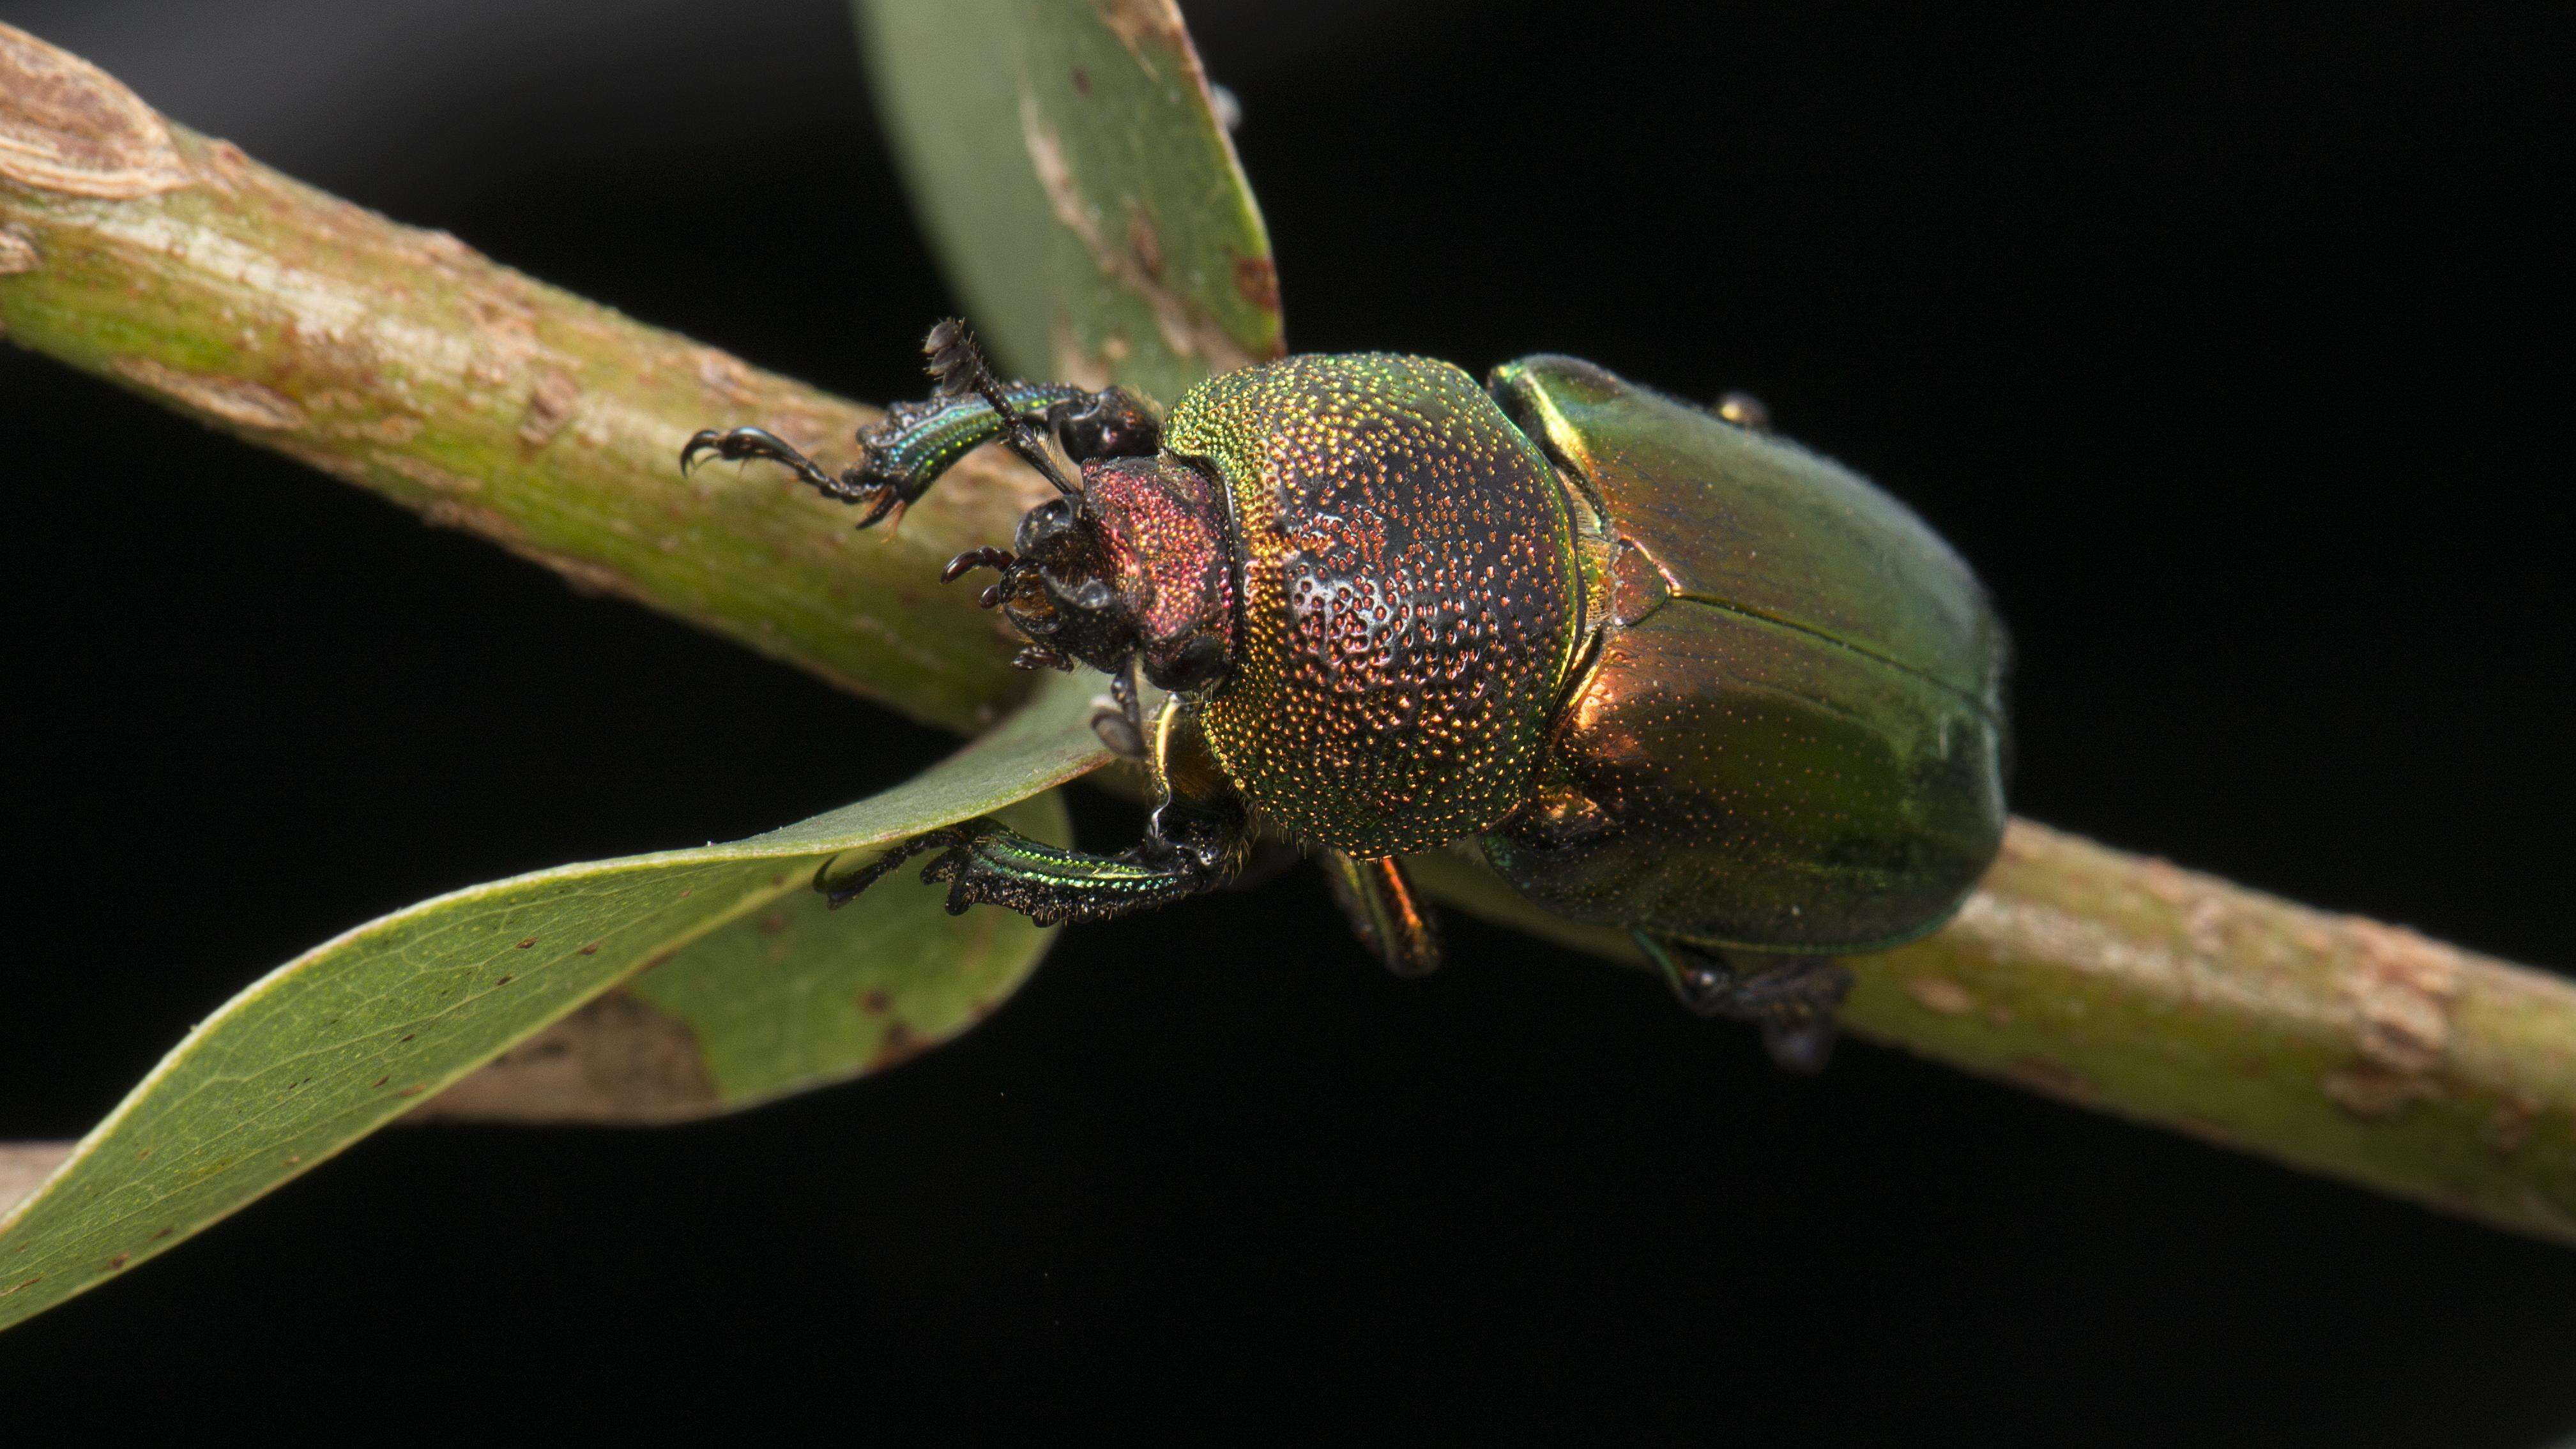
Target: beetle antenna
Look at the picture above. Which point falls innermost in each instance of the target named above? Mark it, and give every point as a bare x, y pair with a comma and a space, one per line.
958, 367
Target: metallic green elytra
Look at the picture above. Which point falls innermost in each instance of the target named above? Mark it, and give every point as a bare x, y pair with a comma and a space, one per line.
1793, 735
1664, 670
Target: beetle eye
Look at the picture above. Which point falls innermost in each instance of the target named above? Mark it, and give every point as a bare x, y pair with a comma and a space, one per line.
1048, 521
1090, 596
1111, 426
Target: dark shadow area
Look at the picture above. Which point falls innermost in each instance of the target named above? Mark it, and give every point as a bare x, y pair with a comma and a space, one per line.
2231, 344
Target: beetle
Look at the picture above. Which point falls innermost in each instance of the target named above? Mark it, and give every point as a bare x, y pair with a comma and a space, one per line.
1663, 669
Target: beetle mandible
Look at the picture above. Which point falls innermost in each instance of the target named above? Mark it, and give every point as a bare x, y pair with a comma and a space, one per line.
1665, 670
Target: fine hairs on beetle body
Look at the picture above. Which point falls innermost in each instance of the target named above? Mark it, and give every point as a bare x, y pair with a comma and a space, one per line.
1665, 670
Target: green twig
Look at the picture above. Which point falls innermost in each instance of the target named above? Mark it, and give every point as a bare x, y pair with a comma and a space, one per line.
402, 361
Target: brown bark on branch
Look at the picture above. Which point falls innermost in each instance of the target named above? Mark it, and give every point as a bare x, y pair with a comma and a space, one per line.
402, 361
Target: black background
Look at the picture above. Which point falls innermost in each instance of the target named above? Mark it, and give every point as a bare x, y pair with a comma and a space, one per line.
2227, 342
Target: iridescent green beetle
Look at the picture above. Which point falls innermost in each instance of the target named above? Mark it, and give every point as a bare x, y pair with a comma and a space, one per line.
1665, 671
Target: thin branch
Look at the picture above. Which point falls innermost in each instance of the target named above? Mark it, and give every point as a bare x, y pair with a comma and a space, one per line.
2129, 985
402, 361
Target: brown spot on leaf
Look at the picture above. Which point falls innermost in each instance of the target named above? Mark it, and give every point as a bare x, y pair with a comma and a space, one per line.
1140, 24
68, 127
618, 1059
118, 1260
1143, 244
527, 942
1257, 279
876, 1002
771, 924
414, 1090
900, 1044
591, 950
1081, 81
235, 400
504, 981
1185, 329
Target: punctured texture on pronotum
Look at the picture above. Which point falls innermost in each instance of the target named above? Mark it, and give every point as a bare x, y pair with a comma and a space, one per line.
1410, 597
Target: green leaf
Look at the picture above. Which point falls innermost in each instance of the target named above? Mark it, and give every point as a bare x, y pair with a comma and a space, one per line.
360, 1030
778, 1000
1067, 162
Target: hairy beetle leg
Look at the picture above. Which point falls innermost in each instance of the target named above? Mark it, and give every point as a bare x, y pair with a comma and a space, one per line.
1117, 729
839, 893
1386, 911
1119, 720
1792, 998
861, 483
1195, 842
984, 862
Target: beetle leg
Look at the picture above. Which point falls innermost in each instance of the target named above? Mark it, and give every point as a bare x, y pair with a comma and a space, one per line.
733, 445
1116, 729
865, 484
1118, 719
959, 370
908, 449
1387, 911
1792, 998
917, 442
1195, 842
